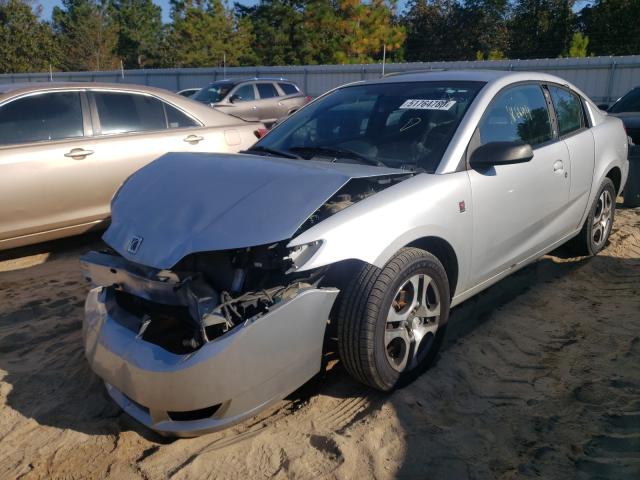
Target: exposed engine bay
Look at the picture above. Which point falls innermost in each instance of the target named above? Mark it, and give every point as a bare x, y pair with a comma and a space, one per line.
206, 294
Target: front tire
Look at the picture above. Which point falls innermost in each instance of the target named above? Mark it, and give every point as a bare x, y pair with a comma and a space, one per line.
391, 321
597, 227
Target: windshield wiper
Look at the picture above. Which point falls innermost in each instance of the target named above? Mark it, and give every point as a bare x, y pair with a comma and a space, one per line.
270, 151
339, 152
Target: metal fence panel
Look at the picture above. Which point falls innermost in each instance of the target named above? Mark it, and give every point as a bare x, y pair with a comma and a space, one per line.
604, 79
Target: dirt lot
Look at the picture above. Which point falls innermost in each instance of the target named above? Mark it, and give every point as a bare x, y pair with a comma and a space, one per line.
539, 377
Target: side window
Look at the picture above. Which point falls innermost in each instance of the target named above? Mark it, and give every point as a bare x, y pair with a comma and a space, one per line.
177, 119
245, 93
517, 114
288, 88
266, 90
48, 116
568, 109
128, 112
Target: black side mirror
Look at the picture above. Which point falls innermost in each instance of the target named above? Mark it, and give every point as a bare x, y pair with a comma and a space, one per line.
234, 98
500, 153
603, 106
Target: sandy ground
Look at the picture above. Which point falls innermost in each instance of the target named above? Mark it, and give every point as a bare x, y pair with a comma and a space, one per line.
539, 377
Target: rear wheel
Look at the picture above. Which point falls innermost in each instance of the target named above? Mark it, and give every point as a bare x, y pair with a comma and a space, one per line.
391, 321
597, 227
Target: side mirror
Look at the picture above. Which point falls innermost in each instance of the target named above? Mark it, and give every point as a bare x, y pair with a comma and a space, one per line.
603, 106
500, 153
234, 98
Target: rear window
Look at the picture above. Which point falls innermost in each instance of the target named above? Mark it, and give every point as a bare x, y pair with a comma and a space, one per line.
266, 90
629, 103
127, 112
289, 88
49, 116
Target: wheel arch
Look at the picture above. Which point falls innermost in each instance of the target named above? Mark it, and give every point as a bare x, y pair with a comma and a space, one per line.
615, 175
445, 253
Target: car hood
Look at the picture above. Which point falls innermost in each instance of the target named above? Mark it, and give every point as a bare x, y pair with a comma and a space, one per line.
184, 203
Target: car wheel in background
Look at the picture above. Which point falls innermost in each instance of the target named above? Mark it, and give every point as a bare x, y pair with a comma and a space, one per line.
391, 321
597, 227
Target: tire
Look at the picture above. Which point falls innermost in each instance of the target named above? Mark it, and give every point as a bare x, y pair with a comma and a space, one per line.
594, 234
376, 345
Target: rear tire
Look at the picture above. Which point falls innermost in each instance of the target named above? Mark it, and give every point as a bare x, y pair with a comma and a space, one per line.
391, 321
597, 226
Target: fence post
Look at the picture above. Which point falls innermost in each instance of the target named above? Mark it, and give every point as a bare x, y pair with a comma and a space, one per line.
305, 81
612, 71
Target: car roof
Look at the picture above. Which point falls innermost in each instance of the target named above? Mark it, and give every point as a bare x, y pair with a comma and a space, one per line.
19, 88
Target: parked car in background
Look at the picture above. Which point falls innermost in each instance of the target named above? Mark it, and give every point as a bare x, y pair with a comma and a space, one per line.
377, 207
263, 99
627, 109
189, 92
66, 147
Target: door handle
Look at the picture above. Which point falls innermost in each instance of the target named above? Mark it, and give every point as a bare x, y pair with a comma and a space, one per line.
78, 153
558, 166
193, 139
254, 108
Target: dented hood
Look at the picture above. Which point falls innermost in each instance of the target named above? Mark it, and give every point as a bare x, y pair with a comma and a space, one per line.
184, 203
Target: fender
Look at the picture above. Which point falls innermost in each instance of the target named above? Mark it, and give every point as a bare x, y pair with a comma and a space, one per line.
374, 229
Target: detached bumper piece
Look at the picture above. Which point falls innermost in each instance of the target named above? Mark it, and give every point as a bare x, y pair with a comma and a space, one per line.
181, 389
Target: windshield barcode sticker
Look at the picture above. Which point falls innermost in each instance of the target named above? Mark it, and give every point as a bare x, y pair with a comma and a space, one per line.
420, 104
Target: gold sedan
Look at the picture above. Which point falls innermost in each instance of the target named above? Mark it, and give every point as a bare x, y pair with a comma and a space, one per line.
65, 148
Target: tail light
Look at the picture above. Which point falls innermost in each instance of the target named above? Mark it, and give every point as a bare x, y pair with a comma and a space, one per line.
261, 132
308, 98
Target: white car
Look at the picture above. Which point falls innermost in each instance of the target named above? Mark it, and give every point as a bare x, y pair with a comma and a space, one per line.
374, 210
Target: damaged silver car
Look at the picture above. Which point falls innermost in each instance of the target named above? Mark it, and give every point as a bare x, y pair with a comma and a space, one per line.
366, 215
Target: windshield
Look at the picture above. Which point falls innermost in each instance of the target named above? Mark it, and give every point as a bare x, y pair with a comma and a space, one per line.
629, 103
213, 93
401, 125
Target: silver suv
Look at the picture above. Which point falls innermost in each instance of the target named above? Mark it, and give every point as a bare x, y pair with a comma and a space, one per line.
263, 99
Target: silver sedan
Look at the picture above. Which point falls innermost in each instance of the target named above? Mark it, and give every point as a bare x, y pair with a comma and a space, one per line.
366, 215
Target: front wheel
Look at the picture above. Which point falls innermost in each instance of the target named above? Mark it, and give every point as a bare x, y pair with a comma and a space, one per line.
391, 321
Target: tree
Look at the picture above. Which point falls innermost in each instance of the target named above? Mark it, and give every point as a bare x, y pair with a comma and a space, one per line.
204, 32
26, 43
351, 31
281, 38
613, 27
87, 33
541, 28
579, 44
140, 31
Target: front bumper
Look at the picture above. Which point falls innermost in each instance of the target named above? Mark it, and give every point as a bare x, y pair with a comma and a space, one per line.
225, 381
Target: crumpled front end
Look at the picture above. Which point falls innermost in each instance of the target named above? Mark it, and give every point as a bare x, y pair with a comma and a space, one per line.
185, 358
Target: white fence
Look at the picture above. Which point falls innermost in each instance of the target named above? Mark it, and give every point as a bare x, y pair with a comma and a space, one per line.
604, 79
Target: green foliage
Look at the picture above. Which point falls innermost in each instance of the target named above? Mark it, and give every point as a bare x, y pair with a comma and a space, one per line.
541, 28
140, 32
579, 44
97, 34
205, 31
88, 35
26, 43
613, 27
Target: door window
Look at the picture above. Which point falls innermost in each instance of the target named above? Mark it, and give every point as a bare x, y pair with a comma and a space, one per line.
48, 116
127, 112
245, 93
177, 119
266, 90
568, 109
517, 114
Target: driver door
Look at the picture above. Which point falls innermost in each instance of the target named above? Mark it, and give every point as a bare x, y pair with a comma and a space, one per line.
517, 208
